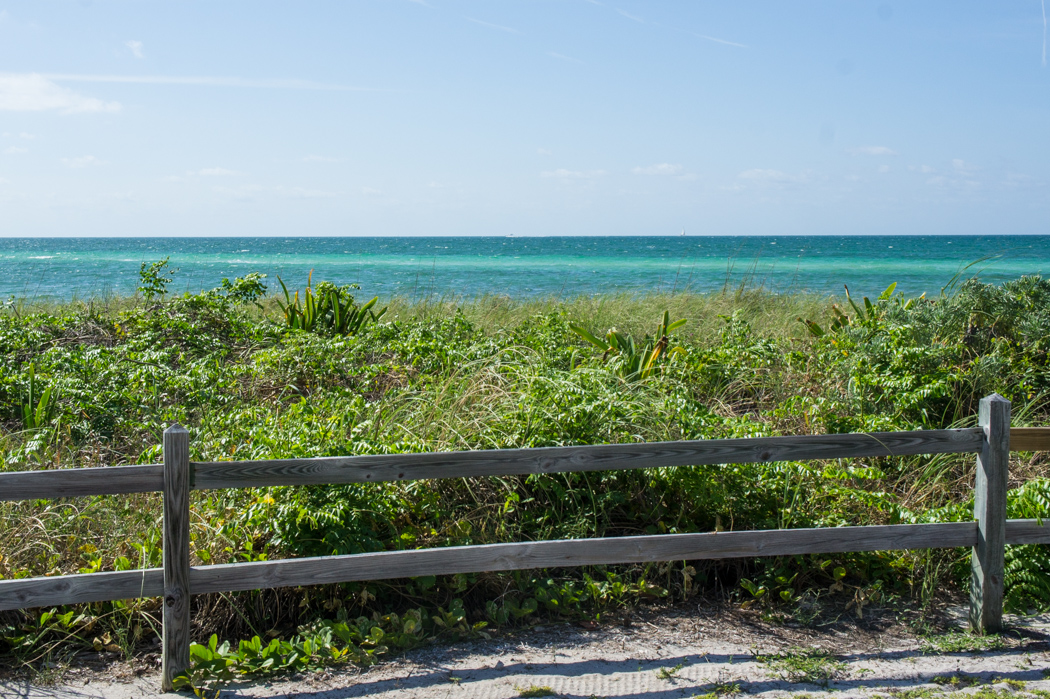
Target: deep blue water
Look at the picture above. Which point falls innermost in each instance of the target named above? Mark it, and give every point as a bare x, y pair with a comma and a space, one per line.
471, 266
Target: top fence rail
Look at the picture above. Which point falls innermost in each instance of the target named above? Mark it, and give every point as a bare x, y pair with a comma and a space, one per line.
145, 478
113, 480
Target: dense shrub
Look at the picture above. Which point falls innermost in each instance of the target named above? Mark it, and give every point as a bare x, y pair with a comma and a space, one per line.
436, 377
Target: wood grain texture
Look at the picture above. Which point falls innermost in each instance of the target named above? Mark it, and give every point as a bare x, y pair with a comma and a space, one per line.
989, 510
100, 587
606, 457
54, 590
72, 482
575, 552
1027, 531
1030, 439
176, 633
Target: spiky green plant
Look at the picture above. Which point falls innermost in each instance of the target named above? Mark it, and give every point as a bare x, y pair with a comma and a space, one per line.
865, 315
39, 407
631, 361
329, 309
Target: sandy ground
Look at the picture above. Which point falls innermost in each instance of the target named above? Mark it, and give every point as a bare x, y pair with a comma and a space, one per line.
671, 654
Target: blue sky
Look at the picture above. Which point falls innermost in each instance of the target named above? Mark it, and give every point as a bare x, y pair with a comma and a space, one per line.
548, 117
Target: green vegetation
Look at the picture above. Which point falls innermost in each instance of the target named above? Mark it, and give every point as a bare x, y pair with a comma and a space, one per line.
317, 374
1013, 690
804, 665
956, 642
956, 681
331, 309
723, 688
322, 643
630, 362
668, 673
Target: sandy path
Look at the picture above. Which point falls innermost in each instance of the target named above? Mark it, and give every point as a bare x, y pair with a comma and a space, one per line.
671, 655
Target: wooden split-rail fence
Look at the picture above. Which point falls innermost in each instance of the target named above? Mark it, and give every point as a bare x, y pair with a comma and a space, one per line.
177, 580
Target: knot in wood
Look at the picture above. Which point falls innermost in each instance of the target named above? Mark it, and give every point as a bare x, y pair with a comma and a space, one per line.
171, 599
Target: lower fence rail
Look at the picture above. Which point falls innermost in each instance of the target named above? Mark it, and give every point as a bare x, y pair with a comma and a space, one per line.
383, 565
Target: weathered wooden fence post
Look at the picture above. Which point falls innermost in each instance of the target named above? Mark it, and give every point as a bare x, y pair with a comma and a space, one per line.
989, 509
176, 648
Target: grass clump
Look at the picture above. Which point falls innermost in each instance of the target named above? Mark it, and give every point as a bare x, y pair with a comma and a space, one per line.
720, 688
535, 691
804, 666
669, 673
956, 681
961, 642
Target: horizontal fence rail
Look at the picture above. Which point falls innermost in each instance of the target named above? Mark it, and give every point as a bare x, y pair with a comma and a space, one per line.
987, 534
385, 565
209, 475
55, 590
605, 457
1029, 439
74, 482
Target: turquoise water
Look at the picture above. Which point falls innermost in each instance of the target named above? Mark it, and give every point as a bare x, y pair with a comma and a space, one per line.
65, 268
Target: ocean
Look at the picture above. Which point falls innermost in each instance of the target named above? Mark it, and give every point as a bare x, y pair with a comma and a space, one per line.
467, 267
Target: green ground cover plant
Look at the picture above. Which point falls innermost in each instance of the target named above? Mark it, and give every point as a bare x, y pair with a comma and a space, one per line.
95, 383
804, 666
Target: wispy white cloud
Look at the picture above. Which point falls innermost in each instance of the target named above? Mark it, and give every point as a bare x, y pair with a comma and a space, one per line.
628, 15
251, 192
371, 192
214, 172
25, 135
872, 150
32, 92
884, 169
563, 174
135, 47
563, 57
659, 169
247, 192
14, 150
208, 81
773, 176
543, 151
304, 193
925, 169
962, 177
81, 162
1015, 180
490, 25
715, 39
955, 183
204, 172
321, 159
